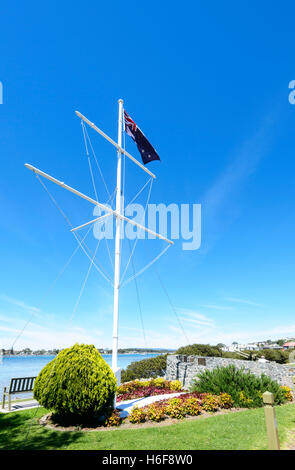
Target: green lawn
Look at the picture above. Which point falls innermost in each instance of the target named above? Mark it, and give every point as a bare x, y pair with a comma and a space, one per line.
236, 431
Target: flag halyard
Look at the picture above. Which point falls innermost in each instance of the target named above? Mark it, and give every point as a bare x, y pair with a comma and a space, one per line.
147, 151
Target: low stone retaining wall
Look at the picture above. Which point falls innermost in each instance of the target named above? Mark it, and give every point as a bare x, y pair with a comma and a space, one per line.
185, 368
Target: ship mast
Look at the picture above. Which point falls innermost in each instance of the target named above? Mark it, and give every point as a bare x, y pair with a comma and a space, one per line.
119, 210
118, 213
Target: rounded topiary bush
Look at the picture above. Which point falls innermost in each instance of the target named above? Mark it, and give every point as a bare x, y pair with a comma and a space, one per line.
76, 382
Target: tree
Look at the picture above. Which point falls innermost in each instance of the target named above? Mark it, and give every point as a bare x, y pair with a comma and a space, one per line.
77, 382
152, 367
199, 350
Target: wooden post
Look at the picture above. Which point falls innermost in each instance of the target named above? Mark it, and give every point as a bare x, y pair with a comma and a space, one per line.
4, 396
271, 421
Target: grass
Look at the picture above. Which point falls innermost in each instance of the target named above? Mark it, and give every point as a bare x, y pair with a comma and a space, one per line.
244, 430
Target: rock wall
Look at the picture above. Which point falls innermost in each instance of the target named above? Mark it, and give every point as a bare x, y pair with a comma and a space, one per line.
185, 368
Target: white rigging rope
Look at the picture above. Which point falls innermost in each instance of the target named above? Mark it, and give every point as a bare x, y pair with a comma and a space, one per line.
85, 133
49, 290
84, 283
94, 156
89, 162
100, 270
139, 192
135, 243
172, 306
145, 267
139, 304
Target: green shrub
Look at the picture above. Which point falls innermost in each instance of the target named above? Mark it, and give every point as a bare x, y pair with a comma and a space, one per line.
274, 355
244, 388
152, 367
76, 382
199, 350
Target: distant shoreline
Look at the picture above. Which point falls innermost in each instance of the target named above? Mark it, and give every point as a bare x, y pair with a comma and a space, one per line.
103, 354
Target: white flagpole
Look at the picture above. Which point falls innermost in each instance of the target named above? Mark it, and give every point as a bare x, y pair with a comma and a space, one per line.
119, 201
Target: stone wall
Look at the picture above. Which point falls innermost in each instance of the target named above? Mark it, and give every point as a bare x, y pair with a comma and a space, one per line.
185, 368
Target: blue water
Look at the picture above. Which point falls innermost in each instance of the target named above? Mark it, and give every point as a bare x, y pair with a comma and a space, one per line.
30, 366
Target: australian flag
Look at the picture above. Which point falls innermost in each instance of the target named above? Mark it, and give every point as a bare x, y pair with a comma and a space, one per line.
147, 151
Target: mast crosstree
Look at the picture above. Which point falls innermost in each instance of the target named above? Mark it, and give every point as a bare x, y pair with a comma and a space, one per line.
118, 213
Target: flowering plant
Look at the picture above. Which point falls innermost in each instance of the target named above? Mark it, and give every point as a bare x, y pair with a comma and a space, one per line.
147, 388
287, 392
192, 406
225, 400
175, 408
114, 419
137, 415
210, 403
155, 412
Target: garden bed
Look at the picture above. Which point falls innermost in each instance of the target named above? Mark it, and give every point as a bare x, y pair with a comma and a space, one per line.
163, 412
147, 388
49, 423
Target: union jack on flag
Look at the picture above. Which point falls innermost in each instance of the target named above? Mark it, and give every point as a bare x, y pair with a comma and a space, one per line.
147, 151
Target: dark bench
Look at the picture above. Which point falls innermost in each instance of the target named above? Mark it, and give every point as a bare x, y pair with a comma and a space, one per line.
18, 385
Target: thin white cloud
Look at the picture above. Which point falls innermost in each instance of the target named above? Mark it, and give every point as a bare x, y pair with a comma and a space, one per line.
194, 314
37, 337
217, 307
197, 323
170, 337
243, 301
19, 303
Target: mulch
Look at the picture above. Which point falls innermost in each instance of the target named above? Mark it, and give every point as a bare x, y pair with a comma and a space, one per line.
48, 422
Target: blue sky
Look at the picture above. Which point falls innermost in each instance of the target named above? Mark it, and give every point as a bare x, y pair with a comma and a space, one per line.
208, 84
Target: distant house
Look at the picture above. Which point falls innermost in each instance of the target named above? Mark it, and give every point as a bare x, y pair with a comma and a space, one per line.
272, 346
235, 347
251, 347
289, 345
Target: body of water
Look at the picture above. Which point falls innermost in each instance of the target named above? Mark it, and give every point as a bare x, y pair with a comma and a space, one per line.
30, 366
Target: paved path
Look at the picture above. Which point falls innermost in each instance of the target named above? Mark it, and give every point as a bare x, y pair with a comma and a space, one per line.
124, 406
18, 406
